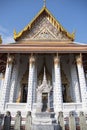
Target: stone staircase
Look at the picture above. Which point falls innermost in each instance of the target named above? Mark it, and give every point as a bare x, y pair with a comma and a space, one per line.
44, 121
44, 118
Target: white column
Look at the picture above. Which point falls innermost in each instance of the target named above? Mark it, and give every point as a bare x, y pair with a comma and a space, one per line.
82, 81
34, 81
14, 78
74, 80
30, 83
6, 85
58, 101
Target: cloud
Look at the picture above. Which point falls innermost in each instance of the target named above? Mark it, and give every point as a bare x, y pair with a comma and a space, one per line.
6, 36
7, 39
3, 30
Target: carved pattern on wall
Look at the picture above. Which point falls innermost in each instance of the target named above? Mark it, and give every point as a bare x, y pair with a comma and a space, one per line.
44, 33
43, 29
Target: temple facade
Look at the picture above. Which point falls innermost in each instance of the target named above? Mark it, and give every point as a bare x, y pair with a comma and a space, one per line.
44, 70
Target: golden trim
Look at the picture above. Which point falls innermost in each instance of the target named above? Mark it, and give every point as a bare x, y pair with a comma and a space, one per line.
0, 40
51, 18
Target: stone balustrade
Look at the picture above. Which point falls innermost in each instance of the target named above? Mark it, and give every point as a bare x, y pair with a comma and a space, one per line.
15, 106
79, 124
67, 107
72, 107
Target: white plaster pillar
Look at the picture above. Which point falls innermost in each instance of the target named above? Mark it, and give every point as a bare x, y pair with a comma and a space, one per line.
58, 101
34, 81
14, 78
82, 81
31, 83
6, 84
74, 80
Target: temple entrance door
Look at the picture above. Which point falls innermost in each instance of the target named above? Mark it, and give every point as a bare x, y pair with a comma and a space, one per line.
44, 101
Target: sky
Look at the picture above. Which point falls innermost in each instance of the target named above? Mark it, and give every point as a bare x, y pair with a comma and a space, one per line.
16, 14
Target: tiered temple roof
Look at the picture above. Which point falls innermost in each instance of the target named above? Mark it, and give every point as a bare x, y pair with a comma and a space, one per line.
44, 34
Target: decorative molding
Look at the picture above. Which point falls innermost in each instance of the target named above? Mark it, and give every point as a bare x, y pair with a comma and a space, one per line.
44, 34
32, 60
57, 60
10, 59
79, 59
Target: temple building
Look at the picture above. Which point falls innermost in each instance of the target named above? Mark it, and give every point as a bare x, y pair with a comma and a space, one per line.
44, 70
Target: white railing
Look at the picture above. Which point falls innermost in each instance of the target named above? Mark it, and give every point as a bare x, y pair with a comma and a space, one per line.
16, 106
23, 106
72, 106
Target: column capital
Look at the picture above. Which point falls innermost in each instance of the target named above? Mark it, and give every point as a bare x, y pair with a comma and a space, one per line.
57, 60
32, 59
10, 59
79, 59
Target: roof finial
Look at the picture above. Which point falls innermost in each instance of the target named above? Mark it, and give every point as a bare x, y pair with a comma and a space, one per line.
44, 3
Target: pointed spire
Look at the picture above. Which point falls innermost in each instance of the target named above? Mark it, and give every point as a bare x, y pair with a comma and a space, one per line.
44, 77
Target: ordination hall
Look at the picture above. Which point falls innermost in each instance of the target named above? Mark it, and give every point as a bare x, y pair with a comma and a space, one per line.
44, 71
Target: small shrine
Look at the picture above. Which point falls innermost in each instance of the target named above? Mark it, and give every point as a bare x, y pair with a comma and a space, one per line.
44, 95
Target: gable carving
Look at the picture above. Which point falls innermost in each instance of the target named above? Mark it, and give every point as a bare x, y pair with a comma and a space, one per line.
44, 34
43, 29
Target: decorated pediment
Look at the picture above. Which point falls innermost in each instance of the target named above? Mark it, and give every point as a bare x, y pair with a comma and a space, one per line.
44, 27
44, 34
